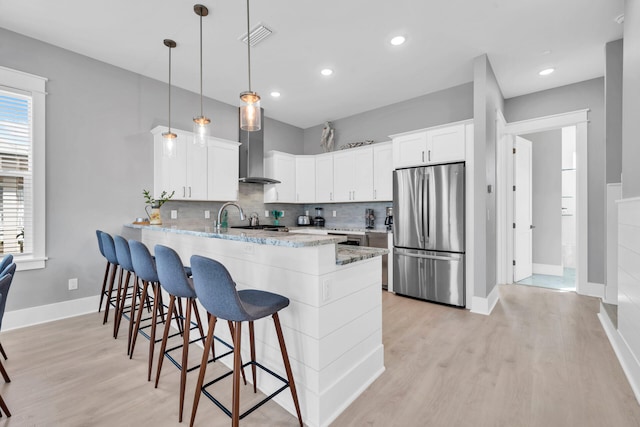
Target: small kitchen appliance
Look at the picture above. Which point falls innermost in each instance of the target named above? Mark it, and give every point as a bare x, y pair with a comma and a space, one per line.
369, 219
319, 219
304, 220
388, 221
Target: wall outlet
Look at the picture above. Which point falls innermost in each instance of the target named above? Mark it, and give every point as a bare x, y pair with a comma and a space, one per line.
174, 214
326, 290
306, 212
266, 214
207, 214
73, 284
334, 214
281, 214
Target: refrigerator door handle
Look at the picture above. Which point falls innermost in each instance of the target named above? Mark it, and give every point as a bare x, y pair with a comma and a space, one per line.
421, 193
428, 208
436, 257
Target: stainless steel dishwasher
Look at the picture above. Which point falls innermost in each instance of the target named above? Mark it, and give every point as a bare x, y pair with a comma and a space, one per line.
379, 240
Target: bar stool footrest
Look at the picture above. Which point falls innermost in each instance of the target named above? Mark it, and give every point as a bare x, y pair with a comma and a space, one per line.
257, 405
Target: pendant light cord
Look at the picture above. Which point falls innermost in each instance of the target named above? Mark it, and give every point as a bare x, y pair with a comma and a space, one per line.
201, 109
170, 89
248, 47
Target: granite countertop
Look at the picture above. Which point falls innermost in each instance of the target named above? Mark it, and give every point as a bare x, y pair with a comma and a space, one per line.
320, 230
262, 237
346, 254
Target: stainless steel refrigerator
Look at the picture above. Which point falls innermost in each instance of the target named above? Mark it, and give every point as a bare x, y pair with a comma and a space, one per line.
428, 233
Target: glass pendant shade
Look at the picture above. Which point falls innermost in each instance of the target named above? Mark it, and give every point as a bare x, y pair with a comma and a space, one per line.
201, 130
250, 119
170, 140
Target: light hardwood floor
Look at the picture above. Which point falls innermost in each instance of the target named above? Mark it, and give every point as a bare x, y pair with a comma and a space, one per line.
540, 359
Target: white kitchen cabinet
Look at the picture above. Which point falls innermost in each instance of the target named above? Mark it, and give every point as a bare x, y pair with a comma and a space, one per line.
353, 175
383, 172
324, 178
185, 172
429, 146
223, 170
280, 166
305, 179
195, 172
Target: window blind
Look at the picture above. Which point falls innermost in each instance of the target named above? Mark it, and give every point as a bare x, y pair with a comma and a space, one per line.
16, 172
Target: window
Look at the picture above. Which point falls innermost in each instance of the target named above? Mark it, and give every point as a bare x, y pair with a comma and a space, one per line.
22, 225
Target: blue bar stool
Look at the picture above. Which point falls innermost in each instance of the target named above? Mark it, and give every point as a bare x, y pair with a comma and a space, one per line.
123, 253
5, 269
217, 292
3, 282
109, 251
106, 271
145, 268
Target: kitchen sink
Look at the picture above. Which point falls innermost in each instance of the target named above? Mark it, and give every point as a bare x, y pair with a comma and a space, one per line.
266, 227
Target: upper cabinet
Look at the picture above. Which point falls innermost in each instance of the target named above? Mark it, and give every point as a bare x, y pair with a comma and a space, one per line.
195, 172
353, 175
383, 172
305, 179
324, 178
438, 145
280, 166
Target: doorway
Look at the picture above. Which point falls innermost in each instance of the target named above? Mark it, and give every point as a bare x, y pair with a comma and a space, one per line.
544, 209
506, 137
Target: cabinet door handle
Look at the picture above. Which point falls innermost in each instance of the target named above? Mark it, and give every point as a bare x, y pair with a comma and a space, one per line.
429, 155
330, 195
189, 191
184, 192
277, 195
375, 194
423, 156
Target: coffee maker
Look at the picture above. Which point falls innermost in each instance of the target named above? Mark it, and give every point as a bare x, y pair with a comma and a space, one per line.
388, 221
369, 219
319, 219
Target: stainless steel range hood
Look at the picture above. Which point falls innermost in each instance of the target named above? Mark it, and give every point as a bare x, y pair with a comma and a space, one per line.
252, 156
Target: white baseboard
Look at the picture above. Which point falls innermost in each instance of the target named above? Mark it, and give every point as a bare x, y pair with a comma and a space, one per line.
485, 306
548, 269
593, 290
50, 312
628, 361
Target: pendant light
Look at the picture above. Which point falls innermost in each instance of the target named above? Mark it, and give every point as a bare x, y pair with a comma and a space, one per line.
201, 122
169, 137
250, 106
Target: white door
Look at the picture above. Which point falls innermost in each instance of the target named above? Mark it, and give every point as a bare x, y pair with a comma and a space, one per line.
523, 233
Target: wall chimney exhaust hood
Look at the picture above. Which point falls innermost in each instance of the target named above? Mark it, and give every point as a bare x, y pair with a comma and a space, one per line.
252, 156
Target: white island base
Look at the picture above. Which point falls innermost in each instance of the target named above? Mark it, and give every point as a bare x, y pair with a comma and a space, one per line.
332, 328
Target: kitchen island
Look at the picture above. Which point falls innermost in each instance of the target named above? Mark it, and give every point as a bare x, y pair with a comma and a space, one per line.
333, 325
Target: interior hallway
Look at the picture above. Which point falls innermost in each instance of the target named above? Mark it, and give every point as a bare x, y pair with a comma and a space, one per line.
540, 359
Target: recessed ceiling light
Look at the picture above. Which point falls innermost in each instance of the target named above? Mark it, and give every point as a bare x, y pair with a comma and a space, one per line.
546, 71
326, 72
398, 40
275, 94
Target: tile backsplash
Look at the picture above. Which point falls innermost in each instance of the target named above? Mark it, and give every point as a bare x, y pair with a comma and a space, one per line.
251, 199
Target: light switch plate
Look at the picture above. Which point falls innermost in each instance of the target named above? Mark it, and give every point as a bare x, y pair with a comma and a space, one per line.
174, 214
207, 214
334, 214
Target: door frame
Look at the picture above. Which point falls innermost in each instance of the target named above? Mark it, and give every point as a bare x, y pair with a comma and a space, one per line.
505, 135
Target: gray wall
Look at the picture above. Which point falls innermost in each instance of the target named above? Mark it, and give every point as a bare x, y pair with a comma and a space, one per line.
631, 101
487, 99
445, 106
546, 186
613, 109
100, 157
588, 94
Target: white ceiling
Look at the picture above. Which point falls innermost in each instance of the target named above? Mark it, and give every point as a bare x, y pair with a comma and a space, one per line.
520, 37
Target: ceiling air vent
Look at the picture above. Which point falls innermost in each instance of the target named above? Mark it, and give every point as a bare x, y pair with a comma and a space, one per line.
258, 34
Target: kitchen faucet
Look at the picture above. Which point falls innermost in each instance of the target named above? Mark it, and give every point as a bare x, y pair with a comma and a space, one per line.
223, 207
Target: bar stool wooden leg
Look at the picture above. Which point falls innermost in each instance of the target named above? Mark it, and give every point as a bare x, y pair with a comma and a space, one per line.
157, 304
203, 368
198, 321
135, 294
287, 366
4, 407
165, 337
252, 344
233, 341
112, 280
104, 285
117, 307
185, 357
4, 374
237, 365
145, 285
3, 353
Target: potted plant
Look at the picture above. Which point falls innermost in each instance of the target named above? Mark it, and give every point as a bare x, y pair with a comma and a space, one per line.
155, 204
